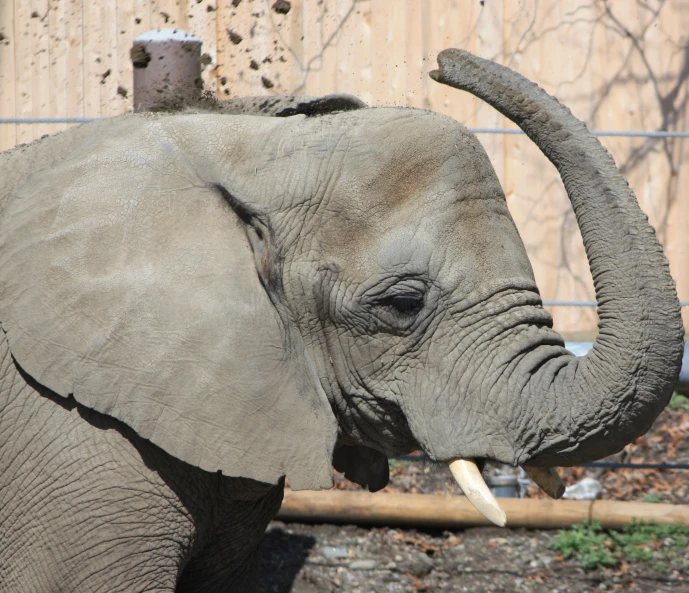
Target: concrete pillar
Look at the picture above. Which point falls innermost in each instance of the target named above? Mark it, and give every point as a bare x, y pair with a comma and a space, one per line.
167, 70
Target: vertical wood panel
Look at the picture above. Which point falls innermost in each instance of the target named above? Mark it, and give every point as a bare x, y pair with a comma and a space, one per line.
283, 52
23, 60
234, 25
58, 53
450, 23
40, 64
292, 46
388, 35
311, 47
354, 65
75, 59
415, 64
8, 133
94, 66
202, 22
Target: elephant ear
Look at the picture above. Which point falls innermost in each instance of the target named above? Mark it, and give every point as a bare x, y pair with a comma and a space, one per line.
154, 296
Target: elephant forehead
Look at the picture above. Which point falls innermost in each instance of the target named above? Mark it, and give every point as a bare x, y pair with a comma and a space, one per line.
402, 168
392, 159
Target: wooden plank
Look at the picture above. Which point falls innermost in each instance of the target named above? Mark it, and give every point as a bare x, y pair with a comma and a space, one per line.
75, 59
316, 17
266, 74
40, 77
201, 19
447, 24
334, 24
23, 69
233, 39
667, 181
354, 66
441, 511
224, 10
109, 98
324, 24
58, 56
388, 44
416, 63
292, 46
93, 65
8, 105
283, 48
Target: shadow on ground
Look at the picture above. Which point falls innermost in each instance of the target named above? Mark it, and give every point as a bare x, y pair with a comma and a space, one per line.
283, 555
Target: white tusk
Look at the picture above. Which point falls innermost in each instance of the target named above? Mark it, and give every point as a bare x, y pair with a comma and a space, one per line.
470, 480
547, 479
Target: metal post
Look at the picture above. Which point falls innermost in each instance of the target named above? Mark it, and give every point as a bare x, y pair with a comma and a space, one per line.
167, 70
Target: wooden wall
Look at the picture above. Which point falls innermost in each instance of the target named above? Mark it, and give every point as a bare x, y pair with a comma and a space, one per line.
618, 64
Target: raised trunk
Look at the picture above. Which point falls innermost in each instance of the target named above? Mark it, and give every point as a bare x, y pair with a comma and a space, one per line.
594, 405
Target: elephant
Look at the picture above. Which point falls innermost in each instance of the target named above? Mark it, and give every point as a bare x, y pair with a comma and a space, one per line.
198, 306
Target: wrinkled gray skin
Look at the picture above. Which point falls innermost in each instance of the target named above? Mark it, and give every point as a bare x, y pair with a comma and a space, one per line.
192, 294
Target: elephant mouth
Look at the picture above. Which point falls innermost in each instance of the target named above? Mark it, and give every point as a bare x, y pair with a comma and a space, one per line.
467, 474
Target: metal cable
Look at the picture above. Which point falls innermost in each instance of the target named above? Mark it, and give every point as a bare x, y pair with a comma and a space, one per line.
607, 133
587, 303
603, 464
508, 131
47, 120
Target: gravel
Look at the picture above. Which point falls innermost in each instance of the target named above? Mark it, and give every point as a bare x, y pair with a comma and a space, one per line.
297, 558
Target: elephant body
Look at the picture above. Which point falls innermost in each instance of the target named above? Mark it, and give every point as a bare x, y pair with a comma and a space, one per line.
195, 306
88, 505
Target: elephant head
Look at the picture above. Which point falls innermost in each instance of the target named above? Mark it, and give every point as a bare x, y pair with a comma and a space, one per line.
257, 294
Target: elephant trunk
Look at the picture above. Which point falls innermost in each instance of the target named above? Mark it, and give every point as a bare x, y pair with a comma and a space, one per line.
590, 406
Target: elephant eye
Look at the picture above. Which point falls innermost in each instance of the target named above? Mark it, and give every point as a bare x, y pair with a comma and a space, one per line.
406, 305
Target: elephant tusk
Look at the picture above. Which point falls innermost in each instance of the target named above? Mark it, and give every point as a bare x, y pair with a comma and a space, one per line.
547, 479
470, 480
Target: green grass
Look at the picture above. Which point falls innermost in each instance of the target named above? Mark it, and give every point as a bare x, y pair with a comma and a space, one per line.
652, 497
398, 464
679, 403
594, 547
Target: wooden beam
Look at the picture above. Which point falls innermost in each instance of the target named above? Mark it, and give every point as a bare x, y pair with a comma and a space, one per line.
427, 510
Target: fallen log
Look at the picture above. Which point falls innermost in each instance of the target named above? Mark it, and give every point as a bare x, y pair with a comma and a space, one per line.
448, 512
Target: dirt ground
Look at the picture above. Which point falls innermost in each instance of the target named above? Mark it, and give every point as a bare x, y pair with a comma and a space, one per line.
299, 558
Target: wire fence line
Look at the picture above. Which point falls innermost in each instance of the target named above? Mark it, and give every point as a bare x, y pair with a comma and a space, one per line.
586, 303
594, 464
47, 120
606, 133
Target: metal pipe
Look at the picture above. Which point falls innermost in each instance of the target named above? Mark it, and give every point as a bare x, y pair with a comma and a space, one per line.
167, 70
581, 348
